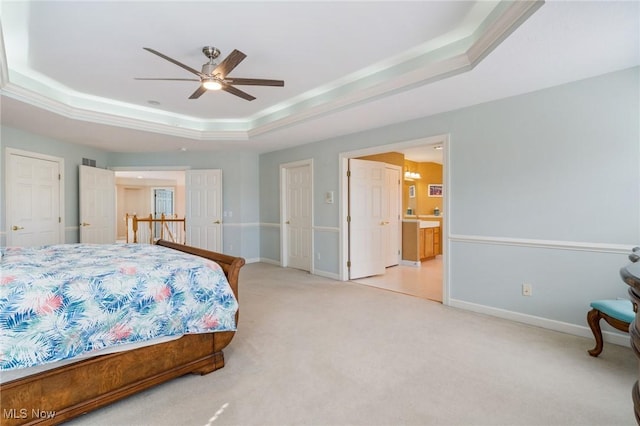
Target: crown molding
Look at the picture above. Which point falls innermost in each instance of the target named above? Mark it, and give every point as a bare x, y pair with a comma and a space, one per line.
425, 64
175, 127
4, 69
509, 17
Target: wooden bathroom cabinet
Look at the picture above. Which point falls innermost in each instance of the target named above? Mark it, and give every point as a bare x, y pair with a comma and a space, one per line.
419, 243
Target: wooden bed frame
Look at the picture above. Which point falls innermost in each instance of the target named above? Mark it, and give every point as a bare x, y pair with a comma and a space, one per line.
56, 395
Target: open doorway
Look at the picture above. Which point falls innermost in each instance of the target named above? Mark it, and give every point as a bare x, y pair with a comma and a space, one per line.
147, 193
423, 273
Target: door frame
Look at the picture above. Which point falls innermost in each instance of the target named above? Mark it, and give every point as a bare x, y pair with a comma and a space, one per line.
9, 195
283, 212
343, 249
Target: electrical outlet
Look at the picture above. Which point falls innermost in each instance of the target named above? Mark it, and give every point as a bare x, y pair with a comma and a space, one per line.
527, 289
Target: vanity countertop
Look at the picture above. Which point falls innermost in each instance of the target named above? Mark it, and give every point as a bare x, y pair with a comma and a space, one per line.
424, 223
410, 218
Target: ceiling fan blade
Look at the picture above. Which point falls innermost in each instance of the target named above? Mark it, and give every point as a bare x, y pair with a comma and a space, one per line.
254, 82
168, 79
180, 64
237, 92
229, 63
195, 95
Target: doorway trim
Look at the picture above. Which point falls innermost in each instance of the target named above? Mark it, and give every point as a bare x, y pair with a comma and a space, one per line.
284, 247
443, 139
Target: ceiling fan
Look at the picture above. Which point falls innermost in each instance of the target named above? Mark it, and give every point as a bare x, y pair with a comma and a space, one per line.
215, 76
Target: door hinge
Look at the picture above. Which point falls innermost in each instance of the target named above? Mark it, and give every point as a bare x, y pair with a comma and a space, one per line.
348, 173
59, 219
59, 176
348, 219
348, 264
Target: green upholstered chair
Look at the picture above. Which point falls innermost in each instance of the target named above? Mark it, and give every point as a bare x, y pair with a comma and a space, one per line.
619, 313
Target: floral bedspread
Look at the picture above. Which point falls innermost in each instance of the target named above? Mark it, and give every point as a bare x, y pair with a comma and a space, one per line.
61, 301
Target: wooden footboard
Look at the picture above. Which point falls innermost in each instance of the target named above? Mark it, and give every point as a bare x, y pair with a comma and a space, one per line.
62, 393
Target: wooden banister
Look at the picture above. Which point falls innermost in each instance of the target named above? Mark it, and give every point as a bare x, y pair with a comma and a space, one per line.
170, 229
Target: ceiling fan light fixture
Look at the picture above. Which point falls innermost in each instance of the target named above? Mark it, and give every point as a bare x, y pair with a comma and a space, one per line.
213, 75
212, 84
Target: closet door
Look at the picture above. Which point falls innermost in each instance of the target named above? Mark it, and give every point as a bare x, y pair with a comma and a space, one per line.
297, 215
204, 209
34, 202
97, 206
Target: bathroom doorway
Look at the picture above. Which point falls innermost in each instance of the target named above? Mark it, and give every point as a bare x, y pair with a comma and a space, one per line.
426, 277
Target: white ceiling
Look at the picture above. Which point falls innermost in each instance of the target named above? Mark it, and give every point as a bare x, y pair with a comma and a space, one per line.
68, 68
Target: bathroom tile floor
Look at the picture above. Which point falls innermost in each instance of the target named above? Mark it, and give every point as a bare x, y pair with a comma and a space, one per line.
424, 281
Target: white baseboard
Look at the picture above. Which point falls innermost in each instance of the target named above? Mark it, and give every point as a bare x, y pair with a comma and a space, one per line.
253, 260
320, 273
269, 261
564, 327
325, 274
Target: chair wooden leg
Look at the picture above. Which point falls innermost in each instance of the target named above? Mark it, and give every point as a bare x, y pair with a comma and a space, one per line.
593, 318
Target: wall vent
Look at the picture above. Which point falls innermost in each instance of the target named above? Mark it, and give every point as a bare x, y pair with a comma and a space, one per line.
88, 162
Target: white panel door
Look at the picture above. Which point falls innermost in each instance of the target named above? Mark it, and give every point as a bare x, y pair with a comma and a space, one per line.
298, 217
393, 226
97, 206
33, 201
204, 209
367, 192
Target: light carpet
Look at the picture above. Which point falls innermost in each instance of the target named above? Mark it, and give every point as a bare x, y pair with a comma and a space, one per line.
313, 351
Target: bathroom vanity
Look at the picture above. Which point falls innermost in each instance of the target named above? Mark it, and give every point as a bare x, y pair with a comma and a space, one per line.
420, 239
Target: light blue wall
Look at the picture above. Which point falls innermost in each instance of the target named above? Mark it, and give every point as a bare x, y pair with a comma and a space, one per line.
555, 172
240, 190
72, 155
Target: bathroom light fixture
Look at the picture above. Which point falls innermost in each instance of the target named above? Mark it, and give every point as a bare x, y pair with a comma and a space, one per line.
437, 147
411, 175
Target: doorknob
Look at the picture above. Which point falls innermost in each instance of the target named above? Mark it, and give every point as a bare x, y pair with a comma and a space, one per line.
288, 222
85, 224
384, 223
17, 228
217, 222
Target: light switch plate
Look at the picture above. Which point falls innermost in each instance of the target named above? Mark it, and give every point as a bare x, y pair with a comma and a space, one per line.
328, 197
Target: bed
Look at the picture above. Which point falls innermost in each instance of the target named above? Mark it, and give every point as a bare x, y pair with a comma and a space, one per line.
58, 394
